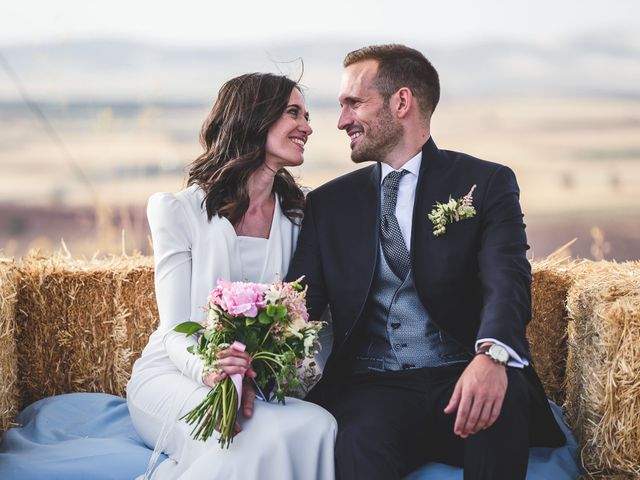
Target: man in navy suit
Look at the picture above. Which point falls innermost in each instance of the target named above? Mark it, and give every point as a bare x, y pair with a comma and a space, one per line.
429, 359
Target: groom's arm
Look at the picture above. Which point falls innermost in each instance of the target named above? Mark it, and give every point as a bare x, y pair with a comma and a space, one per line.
307, 261
505, 275
504, 271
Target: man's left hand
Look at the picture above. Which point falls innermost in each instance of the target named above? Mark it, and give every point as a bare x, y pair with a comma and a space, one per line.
478, 396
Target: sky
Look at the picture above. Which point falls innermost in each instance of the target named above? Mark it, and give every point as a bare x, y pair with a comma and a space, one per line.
214, 23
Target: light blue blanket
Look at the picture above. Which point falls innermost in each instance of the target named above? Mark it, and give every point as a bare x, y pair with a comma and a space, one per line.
82, 436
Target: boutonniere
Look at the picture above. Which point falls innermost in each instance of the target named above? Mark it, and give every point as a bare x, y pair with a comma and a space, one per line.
454, 210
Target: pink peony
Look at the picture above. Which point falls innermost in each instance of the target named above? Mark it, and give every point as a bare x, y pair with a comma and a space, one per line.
238, 298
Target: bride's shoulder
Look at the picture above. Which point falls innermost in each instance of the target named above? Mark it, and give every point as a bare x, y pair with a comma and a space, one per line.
189, 197
167, 204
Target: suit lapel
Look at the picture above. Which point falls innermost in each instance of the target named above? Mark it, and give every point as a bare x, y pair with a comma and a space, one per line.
366, 226
362, 217
434, 185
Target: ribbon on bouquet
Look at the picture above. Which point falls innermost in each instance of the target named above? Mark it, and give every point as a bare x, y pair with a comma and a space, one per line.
237, 378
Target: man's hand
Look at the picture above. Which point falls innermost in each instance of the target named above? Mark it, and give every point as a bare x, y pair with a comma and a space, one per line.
478, 396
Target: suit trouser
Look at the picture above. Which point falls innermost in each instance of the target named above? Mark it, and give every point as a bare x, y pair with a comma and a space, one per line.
391, 423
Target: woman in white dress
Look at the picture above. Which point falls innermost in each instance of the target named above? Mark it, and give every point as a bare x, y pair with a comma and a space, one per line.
238, 220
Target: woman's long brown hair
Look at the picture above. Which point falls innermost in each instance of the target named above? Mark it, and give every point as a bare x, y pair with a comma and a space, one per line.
234, 137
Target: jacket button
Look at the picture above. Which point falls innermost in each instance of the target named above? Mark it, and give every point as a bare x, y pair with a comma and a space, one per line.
407, 366
397, 346
395, 325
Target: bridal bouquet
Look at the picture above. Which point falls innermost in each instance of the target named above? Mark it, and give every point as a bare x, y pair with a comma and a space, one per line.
269, 321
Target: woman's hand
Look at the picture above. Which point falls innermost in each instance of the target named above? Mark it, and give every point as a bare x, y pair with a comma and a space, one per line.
230, 362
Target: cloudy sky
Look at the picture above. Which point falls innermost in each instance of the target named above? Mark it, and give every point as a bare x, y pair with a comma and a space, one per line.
219, 23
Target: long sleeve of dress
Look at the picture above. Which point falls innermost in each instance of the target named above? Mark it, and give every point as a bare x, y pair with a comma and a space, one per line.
172, 240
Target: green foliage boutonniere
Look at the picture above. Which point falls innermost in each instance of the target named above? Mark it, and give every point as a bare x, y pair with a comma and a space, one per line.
454, 210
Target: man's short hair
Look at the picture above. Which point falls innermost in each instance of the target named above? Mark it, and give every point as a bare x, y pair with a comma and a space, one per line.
400, 66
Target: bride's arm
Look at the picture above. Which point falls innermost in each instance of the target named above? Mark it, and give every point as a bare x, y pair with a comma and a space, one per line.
172, 239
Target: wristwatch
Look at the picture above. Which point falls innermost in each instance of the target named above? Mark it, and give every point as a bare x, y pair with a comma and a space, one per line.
497, 353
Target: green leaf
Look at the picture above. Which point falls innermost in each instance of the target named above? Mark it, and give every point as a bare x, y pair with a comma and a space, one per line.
251, 340
281, 312
265, 317
191, 348
248, 321
209, 334
188, 328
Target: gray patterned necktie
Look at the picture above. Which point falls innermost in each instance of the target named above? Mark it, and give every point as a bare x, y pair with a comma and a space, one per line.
393, 246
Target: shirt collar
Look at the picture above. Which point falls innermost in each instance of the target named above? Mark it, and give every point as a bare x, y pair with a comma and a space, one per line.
412, 166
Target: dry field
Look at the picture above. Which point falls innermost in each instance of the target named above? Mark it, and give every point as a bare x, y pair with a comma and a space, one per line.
577, 162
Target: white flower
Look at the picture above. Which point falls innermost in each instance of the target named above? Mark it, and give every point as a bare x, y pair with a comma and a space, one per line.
212, 318
310, 338
273, 294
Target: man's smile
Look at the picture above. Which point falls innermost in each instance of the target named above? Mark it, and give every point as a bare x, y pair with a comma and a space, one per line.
354, 133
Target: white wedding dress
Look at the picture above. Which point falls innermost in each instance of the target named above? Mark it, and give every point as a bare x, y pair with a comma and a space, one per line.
293, 441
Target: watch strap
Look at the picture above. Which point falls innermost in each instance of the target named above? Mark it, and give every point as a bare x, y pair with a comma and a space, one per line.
484, 350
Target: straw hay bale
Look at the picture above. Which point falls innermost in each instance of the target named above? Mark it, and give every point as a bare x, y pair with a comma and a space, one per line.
607, 477
75, 319
603, 366
8, 356
81, 324
138, 299
547, 331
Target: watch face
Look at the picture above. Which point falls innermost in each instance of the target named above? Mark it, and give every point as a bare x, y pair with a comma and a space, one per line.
499, 353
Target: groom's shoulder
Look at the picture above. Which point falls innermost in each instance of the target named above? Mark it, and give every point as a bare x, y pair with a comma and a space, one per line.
347, 182
464, 161
467, 168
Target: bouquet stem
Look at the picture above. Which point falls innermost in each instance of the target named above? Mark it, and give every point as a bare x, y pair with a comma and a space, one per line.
209, 416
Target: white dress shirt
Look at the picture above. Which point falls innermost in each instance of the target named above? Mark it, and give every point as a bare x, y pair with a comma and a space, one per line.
404, 214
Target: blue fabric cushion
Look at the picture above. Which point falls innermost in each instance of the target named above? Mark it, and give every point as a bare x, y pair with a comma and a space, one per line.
90, 435
74, 436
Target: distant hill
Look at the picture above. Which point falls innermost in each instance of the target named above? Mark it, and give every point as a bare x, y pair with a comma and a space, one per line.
604, 64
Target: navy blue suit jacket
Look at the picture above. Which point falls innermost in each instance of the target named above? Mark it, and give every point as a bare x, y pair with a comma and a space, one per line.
474, 280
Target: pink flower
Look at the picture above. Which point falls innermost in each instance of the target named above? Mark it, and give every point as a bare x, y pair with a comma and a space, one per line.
238, 298
295, 303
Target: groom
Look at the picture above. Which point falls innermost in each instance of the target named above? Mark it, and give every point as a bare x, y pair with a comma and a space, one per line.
429, 303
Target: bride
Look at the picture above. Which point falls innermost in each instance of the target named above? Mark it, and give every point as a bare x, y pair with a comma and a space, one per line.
238, 220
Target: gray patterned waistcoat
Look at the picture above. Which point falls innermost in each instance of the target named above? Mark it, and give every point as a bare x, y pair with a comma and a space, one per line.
400, 333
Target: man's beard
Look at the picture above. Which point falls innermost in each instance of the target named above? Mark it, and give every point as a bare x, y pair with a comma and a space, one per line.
383, 136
